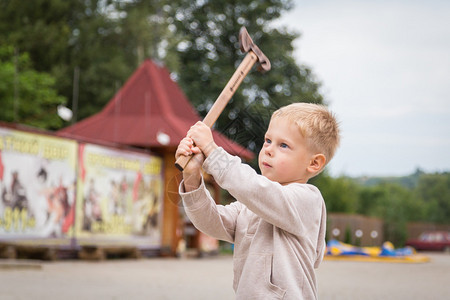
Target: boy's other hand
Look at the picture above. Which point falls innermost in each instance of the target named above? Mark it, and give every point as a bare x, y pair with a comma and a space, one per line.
202, 136
186, 148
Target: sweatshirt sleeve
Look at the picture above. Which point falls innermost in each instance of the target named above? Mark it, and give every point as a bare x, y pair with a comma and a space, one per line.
214, 220
295, 208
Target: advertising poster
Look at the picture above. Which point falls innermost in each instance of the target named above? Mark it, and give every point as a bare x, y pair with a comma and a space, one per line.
119, 197
37, 185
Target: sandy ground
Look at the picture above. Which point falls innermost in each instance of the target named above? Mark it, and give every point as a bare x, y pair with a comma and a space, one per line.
211, 278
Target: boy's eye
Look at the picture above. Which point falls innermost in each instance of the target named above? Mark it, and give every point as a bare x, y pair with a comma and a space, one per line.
283, 145
268, 141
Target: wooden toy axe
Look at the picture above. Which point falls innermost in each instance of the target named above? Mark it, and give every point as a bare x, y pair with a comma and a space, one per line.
254, 54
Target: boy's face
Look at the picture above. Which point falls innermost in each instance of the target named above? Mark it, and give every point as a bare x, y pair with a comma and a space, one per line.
285, 157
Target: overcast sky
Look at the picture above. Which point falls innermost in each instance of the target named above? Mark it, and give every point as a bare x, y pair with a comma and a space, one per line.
385, 70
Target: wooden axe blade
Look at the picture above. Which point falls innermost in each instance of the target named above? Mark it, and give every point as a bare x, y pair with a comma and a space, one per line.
254, 54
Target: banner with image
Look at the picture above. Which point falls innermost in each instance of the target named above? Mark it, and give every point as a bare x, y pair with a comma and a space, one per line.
37, 185
119, 196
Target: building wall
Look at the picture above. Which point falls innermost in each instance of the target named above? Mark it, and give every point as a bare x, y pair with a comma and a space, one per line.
341, 226
171, 218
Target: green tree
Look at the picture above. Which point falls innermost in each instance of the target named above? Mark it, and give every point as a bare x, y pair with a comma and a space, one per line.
27, 96
395, 200
111, 42
53, 32
40, 28
209, 53
434, 190
340, 194
393, 203
104, 39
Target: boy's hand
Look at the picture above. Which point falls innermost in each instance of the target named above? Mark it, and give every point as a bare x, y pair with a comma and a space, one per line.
186, 148
191, 173
202, 137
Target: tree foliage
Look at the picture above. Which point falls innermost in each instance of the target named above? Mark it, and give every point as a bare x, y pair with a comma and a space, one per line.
209, 53
27, 96
340, 194
106, 40
396, 201
434, 189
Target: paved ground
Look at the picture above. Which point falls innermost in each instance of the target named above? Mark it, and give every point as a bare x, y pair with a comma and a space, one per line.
210, 278
369, 280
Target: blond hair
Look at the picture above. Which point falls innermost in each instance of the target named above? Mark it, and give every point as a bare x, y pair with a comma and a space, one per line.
316, 124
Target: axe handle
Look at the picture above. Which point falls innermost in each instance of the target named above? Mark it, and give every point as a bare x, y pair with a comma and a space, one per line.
223, 99
231, 87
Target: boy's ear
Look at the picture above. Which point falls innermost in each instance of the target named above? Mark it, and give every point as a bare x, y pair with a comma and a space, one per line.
317, 163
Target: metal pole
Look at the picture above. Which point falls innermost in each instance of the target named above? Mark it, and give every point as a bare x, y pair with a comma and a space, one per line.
16, 85
76, 76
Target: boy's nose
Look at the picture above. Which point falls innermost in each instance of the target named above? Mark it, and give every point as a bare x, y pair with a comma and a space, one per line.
268, 150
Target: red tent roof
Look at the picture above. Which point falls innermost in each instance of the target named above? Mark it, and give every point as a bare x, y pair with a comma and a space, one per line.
148, 106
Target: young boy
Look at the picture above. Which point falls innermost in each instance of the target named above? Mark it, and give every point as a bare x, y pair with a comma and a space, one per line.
278, 221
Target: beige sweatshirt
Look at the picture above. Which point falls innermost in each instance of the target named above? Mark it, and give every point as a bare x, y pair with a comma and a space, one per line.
278, 231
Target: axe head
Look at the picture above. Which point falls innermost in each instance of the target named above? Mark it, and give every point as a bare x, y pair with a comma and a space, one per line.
246, 44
